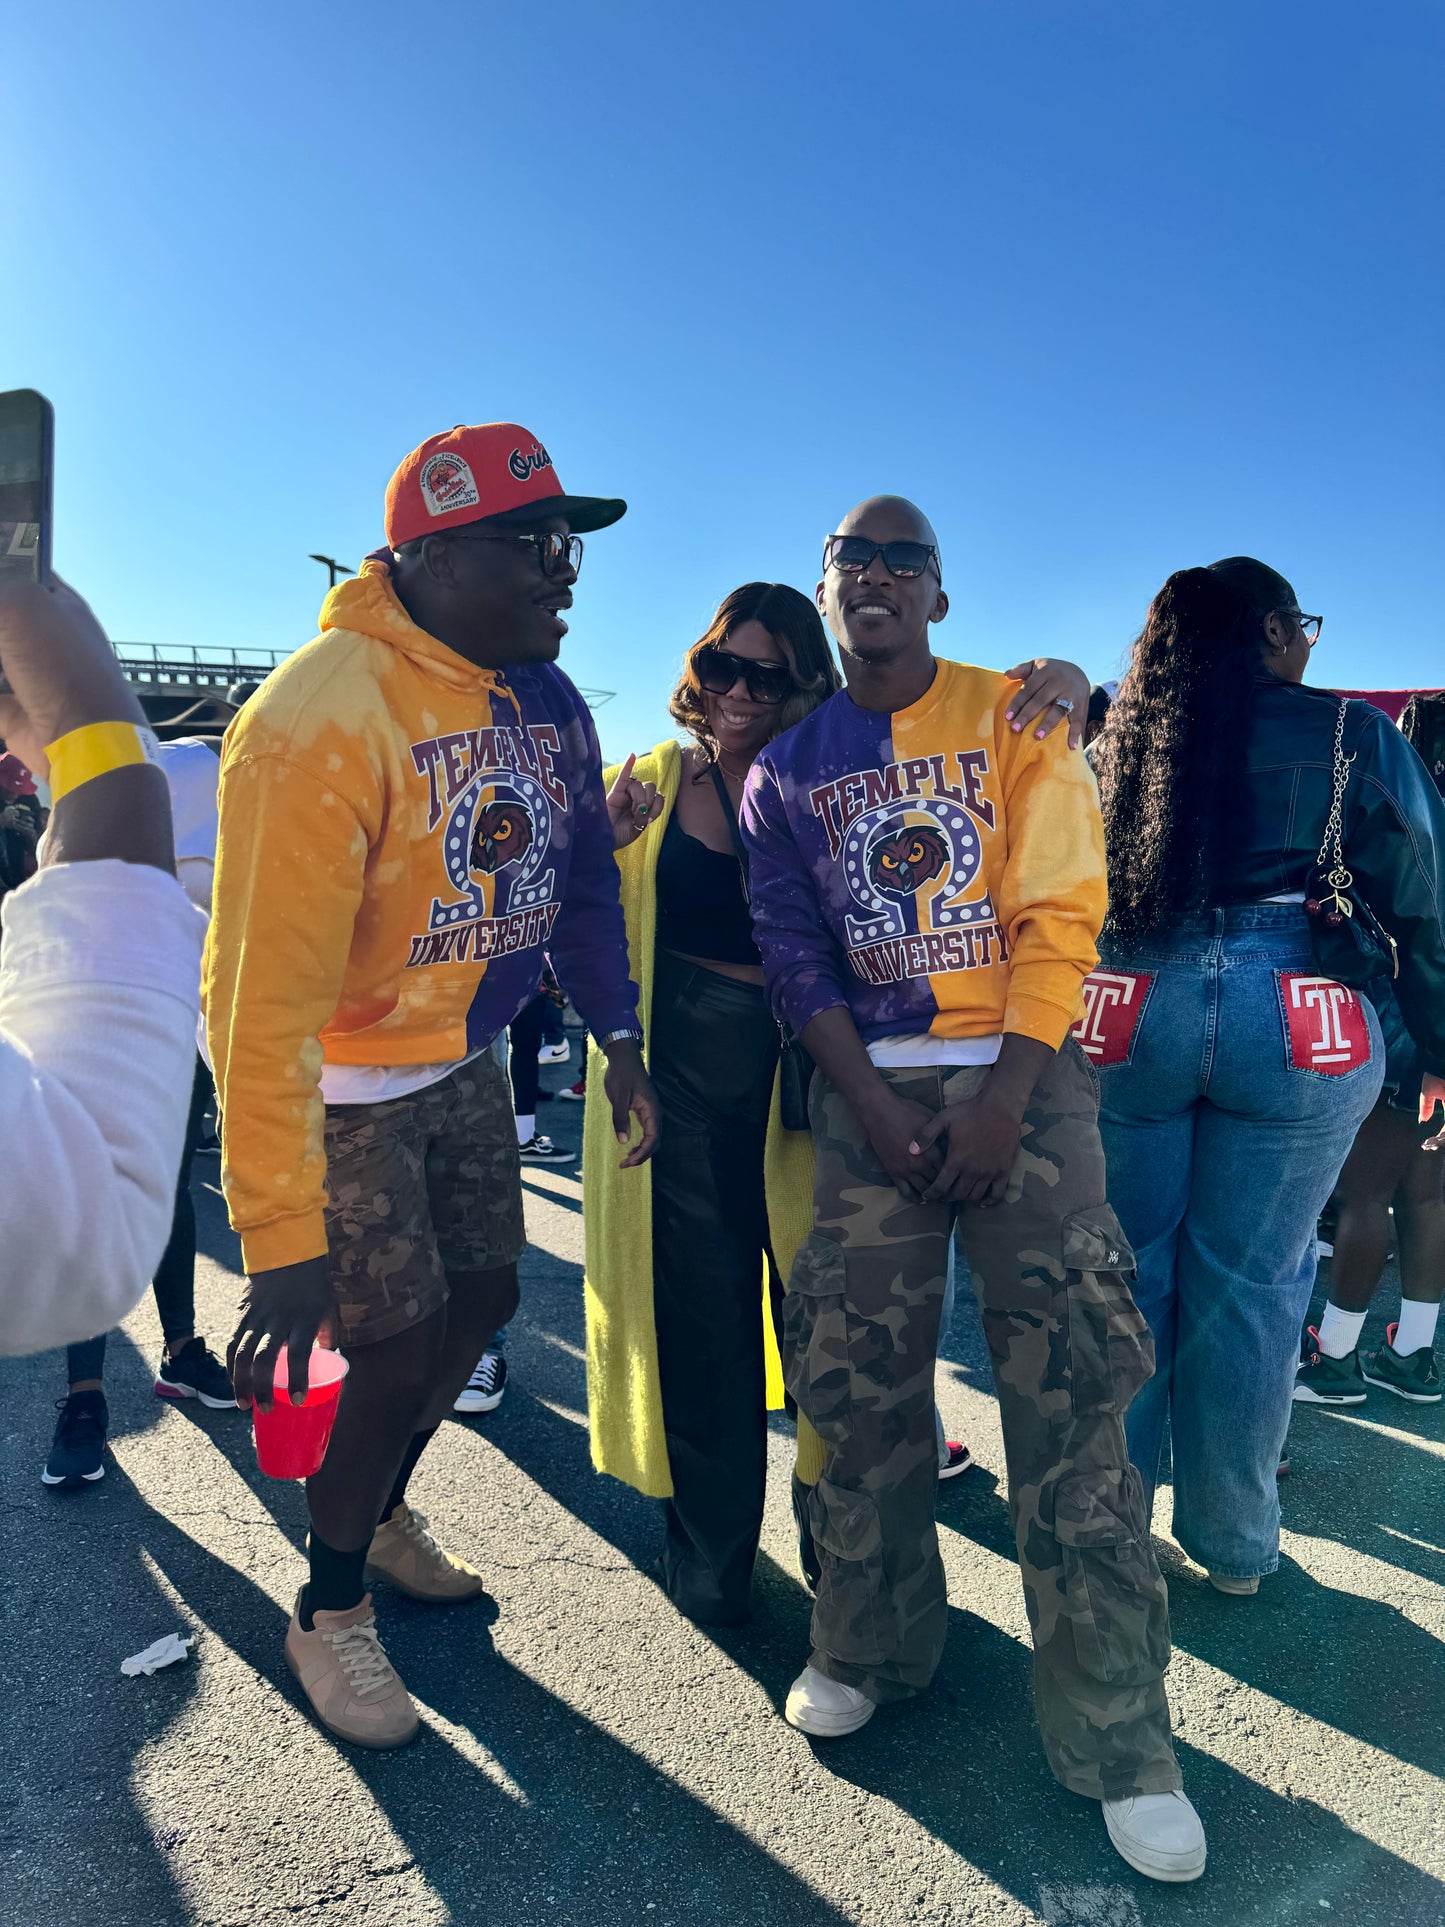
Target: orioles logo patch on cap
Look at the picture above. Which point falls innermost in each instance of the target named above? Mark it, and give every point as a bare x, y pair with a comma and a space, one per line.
470, 474
447, 483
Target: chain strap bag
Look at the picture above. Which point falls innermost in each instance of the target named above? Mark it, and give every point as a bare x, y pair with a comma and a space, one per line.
795, 1063
1349, 942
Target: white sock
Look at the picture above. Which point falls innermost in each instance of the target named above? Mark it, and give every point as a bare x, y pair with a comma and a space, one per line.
526, 1128
1416, 1331
1340, 1331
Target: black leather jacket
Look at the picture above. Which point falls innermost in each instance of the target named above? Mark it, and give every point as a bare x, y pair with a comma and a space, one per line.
1394, 833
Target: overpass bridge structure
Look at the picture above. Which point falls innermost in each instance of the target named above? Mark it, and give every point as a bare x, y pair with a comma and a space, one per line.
182, 688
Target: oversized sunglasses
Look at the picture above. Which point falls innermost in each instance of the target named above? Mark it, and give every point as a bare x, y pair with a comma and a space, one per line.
717, 670
1311, 626
851, 554
554, 552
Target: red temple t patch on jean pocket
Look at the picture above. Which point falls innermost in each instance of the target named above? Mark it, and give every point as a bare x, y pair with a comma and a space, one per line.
1114, 1002
1326, 1024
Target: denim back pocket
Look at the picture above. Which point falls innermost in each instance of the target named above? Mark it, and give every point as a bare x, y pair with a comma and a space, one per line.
1114, 1005
1326, 1025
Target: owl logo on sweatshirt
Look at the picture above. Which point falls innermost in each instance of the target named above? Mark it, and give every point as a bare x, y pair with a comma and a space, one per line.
900, 862
502, 834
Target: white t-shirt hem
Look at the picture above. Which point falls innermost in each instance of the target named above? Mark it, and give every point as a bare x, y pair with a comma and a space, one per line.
921, 1050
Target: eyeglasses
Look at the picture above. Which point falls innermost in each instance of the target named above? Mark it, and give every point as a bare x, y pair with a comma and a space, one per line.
1310, 627
851, 554
717, 670
554, 552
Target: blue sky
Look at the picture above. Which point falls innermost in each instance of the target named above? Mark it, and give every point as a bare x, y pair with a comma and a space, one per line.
1108, 288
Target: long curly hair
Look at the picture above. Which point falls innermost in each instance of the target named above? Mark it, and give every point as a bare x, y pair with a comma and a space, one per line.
797, 628
1169, 756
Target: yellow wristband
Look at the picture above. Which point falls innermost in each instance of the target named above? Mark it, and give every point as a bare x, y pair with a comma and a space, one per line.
91, 751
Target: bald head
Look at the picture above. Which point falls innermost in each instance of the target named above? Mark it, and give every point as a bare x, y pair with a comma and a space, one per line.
889, 518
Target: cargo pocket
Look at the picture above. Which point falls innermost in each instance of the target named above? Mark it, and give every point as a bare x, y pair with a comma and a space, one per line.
816, 1367
1111, 1346
1117, 1602
853, 1616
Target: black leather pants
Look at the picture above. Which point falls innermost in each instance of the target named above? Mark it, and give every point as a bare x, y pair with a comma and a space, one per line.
713, 1055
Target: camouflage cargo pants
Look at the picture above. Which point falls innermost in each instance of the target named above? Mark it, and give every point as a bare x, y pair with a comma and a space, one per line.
1069, 1351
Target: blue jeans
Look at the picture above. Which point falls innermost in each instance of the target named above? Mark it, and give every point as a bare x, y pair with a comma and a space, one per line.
1234, 1079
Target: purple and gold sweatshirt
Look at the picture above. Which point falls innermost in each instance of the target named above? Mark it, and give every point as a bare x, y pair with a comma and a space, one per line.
929, 869
403, 837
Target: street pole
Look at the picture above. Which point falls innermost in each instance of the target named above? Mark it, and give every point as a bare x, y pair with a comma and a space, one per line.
332, 566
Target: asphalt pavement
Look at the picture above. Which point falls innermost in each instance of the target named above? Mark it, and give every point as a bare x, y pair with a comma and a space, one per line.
590, 1757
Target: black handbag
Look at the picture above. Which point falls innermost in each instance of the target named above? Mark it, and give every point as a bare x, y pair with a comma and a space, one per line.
795, 1063
1349, 942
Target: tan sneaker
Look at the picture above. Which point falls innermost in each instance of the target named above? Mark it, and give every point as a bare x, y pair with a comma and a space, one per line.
350, 1682
403, 1551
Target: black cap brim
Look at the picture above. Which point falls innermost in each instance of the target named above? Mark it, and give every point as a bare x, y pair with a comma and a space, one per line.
583, 513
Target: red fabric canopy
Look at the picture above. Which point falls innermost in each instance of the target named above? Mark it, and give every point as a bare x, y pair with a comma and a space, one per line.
1392, 701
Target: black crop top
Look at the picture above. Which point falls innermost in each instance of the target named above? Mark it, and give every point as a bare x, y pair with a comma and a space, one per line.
701, 909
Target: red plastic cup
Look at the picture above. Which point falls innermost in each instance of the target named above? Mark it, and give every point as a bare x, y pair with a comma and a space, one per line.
291, 1440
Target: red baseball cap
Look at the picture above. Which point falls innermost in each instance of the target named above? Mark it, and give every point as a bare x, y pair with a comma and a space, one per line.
473, 474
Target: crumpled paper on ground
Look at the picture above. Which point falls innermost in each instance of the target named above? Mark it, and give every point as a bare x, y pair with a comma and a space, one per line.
165, 1652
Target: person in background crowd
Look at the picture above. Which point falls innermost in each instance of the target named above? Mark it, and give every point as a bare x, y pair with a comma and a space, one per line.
927, 887
411, 811
686, 1260
1235, 1074
528, 1054
188, 1368
1387, 1165
98, 988
484, 1390
21, 822
1101, 699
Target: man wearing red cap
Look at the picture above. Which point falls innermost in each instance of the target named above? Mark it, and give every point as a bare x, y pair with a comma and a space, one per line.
412, 818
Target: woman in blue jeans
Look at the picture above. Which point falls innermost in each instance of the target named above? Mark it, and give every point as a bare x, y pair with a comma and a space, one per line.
1235, 1070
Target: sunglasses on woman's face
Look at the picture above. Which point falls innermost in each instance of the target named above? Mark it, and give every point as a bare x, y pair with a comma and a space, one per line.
852, 554
717, 670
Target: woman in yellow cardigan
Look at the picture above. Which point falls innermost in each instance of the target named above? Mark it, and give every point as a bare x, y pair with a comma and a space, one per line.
686, 1255
682, 1267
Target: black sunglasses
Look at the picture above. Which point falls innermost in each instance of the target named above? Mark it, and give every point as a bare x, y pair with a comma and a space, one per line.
851, 554
1311, 626
554, 552
718, 669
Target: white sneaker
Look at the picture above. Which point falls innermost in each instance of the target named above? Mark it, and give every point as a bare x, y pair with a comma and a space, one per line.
825, 1707
1244, 1586
483, 1390
1159, 1834
554, 1053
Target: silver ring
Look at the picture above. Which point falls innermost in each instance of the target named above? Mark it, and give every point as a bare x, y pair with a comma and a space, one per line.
1062, 702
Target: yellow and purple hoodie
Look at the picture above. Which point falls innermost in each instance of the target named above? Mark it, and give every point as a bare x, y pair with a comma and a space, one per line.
929, 869
403, 835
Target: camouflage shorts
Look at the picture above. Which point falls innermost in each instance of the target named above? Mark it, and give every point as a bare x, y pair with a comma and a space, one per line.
419, 1187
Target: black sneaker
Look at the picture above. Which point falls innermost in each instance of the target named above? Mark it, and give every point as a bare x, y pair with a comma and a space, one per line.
1414, 1376
77, 1452
196, 1372
541, 1150
1322, 1380
483, 1390
959, 1460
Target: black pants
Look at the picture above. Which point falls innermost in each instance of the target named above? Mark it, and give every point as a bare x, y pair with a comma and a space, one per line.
526, 1036
713, 1055
175, 1279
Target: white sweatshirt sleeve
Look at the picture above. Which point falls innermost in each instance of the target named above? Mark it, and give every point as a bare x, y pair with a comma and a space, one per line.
99, 988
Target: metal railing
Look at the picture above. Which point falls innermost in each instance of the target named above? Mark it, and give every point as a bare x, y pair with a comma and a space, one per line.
183, 666
195, 668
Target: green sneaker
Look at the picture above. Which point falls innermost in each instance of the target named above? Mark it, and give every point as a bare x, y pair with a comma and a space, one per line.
1414, 1377
1322, 1380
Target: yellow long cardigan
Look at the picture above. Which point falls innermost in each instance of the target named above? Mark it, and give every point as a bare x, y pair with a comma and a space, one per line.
624, 1398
